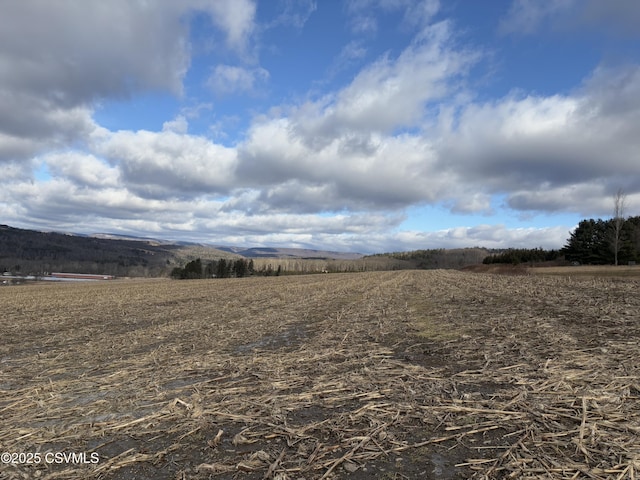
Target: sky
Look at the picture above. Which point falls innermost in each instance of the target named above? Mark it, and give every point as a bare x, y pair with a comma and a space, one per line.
356, 125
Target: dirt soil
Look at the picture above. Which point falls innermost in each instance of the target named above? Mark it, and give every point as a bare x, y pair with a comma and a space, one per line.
380, 375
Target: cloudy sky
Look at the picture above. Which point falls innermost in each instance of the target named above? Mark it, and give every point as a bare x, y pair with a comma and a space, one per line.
356, 125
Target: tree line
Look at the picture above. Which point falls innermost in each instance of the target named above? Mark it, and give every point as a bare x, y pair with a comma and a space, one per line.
516, 256
593, 242
238, 268
601, 242
436, 258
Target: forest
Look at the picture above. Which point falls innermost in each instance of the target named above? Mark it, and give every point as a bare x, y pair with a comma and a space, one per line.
601, 242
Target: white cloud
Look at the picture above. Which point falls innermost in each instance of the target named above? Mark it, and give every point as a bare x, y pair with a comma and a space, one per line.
351, 53
393, 93
126, 45
177, 125
535, 146
421, 13
341, 143
84, 186
470, 202
58, 59
235, 17
417, 13
336, 171
526, 16
363, 171
523, 146
545, 153
487, 236
228, 79
294, 13
41, 124
613, 17
66, 204
84, 170
619, 17
160, 164
343, 146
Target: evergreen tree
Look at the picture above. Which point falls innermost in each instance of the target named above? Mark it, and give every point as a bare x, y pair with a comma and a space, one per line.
221, 268
210, 269
516, 256
177, 273
589, 243
240, 267
630, 241
193, 269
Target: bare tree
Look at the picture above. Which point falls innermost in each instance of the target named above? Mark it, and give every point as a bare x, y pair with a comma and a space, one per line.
619, 207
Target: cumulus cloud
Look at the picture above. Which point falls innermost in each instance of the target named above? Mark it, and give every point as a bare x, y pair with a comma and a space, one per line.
295, 196
126, 45
177, 125
41, 124
555, 153
584, 198
347, 143
336, 170
392, 93
526, 16
620, 17
234, 17
228, 79
532, 146
64, 203
161, 164
58, 59
486, 236
83, 170
363, 171
617, 17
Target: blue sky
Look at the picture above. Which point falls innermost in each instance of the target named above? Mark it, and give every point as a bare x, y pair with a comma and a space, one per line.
356, 125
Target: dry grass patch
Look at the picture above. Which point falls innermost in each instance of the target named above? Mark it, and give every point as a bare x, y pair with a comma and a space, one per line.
414, 374
591, 271
428, 326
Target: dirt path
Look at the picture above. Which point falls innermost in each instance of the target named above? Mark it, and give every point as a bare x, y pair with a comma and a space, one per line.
413, 374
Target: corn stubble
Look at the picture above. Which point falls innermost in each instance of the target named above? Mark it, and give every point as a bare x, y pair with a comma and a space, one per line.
412, 374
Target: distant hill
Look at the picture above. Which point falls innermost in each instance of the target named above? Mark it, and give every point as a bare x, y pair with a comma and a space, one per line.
29, 251
301, 253
32, 252
437, 258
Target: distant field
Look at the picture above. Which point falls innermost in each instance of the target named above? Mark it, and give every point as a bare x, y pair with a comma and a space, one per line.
610, 271
378, 375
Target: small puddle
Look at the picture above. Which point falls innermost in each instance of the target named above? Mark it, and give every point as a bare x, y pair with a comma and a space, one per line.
182, 383
442, 468
287, 338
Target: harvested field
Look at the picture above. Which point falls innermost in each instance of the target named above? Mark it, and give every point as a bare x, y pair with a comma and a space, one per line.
592, 271
388, 375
